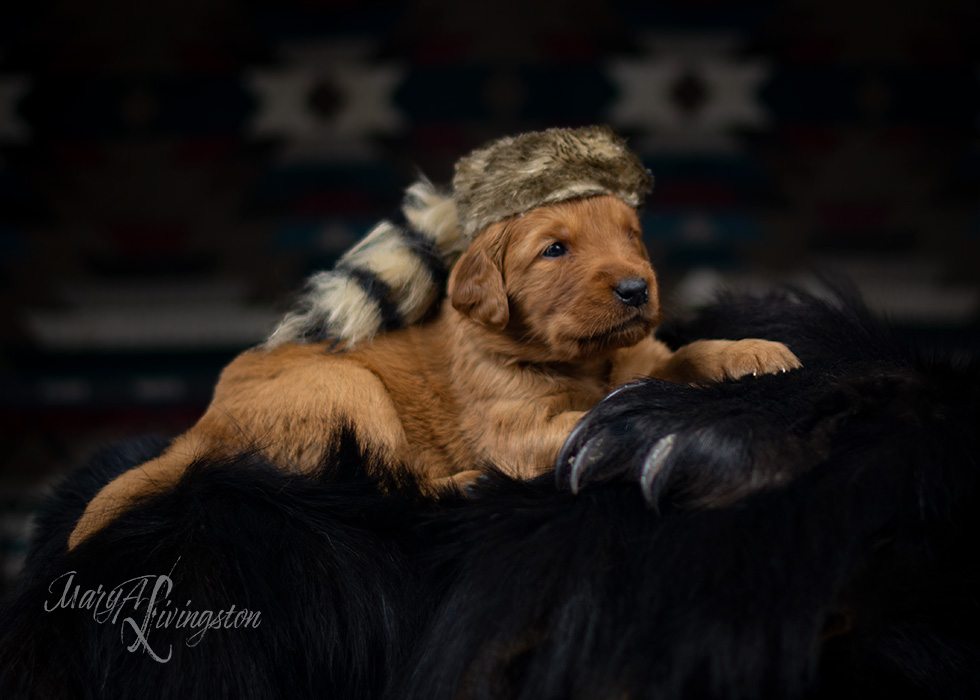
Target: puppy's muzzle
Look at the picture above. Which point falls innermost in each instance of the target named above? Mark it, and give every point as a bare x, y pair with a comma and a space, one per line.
632, 291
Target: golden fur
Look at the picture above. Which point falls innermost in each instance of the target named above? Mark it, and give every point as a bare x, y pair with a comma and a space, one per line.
524, 344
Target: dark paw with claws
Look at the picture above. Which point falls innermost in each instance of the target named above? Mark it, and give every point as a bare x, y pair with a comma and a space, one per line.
692, 446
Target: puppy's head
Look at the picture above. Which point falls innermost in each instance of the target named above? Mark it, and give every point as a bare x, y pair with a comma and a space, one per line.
562, 282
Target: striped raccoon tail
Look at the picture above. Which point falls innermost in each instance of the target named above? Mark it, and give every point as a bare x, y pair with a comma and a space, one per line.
388, 280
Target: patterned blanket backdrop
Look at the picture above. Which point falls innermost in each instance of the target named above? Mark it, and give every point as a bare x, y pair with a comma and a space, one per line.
170, 171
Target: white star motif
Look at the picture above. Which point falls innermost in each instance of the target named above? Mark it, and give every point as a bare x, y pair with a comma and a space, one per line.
730, 99
365, 106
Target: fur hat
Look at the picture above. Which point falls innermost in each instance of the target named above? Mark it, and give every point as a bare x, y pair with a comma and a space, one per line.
515, 174
392, 277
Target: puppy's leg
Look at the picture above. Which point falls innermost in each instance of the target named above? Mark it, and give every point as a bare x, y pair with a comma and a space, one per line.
144, 481
289, 405
523, 438
703, 360
458, 481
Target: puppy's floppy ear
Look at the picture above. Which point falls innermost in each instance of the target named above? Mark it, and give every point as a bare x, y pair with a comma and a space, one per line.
476, 287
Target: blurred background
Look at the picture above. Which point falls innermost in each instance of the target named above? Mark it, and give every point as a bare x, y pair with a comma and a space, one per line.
171, 171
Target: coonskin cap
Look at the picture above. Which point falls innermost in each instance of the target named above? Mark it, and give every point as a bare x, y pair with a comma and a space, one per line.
515, 174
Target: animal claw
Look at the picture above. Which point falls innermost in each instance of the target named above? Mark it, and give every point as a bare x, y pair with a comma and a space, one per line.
586, 457
620, 389
653, 463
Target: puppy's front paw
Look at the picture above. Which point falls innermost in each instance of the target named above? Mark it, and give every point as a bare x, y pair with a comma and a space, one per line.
717, 360
754, 356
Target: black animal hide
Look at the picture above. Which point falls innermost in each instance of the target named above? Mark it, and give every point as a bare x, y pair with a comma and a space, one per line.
804, 535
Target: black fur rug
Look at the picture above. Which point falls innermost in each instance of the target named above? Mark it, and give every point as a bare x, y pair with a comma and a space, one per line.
805, 535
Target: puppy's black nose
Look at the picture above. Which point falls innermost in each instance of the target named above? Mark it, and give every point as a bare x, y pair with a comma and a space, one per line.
632, 291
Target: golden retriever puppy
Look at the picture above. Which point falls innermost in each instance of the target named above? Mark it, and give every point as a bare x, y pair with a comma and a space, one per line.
546, 312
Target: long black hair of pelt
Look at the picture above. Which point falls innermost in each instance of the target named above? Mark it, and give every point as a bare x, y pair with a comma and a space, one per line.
324, 559
808, 535
811, 534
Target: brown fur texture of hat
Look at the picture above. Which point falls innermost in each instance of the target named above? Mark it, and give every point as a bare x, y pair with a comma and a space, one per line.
515, 174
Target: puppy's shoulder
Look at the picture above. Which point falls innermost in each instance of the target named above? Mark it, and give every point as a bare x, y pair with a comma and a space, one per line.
406, 349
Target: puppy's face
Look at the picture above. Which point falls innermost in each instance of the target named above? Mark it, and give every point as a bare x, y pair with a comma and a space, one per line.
566, 281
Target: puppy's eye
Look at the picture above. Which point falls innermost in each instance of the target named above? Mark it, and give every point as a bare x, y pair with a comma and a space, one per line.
555, 250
